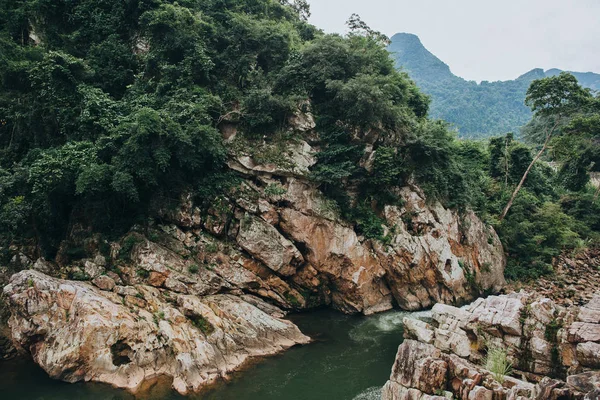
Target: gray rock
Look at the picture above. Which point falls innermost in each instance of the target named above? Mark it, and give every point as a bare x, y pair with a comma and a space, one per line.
265, 243
81, 345
43, 266
104, 282
92, 269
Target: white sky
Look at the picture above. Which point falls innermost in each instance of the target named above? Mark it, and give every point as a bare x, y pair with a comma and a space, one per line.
483, 39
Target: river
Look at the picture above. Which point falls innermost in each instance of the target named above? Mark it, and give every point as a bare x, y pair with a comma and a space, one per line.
350, 359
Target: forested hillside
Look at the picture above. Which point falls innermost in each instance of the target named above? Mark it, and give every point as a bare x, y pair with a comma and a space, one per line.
477, 110
111, 109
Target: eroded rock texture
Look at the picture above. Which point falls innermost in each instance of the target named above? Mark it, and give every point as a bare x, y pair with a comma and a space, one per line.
126, 335
125, 312
287, 233
554, 350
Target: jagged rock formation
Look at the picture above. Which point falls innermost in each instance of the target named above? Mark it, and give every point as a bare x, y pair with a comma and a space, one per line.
124, 335
279, 238
276, 242
544, 342
287, 232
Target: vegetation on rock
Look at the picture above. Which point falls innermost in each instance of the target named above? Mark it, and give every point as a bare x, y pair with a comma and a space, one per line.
108, 108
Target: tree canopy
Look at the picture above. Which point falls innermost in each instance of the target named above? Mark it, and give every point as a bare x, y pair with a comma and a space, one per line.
110, 107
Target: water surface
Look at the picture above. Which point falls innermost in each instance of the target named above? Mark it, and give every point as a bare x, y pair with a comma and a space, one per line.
350, 359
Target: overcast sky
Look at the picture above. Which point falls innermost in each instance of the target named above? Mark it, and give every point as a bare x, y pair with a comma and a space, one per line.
484, 39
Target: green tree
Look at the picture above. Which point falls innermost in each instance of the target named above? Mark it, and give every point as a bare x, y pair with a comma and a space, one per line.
552, 99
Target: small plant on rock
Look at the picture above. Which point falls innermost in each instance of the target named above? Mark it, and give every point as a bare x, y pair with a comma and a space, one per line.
211, 247
202, 324
128, 243
497, 363
275, 190
142, 273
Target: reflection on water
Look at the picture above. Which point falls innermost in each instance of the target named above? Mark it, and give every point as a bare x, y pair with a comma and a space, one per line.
350, 359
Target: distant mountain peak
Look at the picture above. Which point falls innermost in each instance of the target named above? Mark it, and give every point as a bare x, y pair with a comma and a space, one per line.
406, 36
489, 108
412, 56
536, 73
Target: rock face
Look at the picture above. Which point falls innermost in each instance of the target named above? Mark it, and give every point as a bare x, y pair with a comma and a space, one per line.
544, 343
126, 312
437, 255
77, 332
278, 237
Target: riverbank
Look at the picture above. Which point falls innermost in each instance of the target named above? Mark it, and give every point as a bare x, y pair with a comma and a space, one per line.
349, 359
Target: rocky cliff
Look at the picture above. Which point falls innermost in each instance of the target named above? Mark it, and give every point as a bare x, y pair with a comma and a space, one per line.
197, 291
554, 352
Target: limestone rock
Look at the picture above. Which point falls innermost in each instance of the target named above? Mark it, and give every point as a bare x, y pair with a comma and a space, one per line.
419, 366
590, 313
266, 244
585, 382
92, 269
104, 282
501, 312
42, 266
584, 332
185, 214
419, 330
336, 251
588, 354
297, 159
541, 339
77, 332
435, 256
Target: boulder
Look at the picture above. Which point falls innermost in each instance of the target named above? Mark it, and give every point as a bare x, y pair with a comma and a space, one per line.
419, 366
418, 330
104, 282
585, 382
91, 269
500, 312
41, 265
588, 354
580, 332
541, 339
77, 332
265, 243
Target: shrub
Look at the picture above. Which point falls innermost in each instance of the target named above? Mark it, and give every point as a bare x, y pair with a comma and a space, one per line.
127, 246
202, 324
497, 363
275, 190
142, 273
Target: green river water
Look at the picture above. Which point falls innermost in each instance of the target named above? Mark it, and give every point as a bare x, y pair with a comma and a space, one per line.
350, 359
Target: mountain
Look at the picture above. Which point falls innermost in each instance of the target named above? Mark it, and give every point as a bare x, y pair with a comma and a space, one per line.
477, 110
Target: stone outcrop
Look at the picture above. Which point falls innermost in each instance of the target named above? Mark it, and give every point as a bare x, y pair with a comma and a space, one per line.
553, 350
437, 255
278, 237
273, 244
431, 254
78, 332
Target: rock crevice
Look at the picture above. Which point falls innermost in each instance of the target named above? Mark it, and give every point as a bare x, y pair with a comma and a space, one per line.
553, 351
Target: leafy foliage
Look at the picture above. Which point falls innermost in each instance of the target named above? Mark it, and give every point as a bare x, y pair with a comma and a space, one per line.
109, 107
105, 105
497, 363
477, 110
